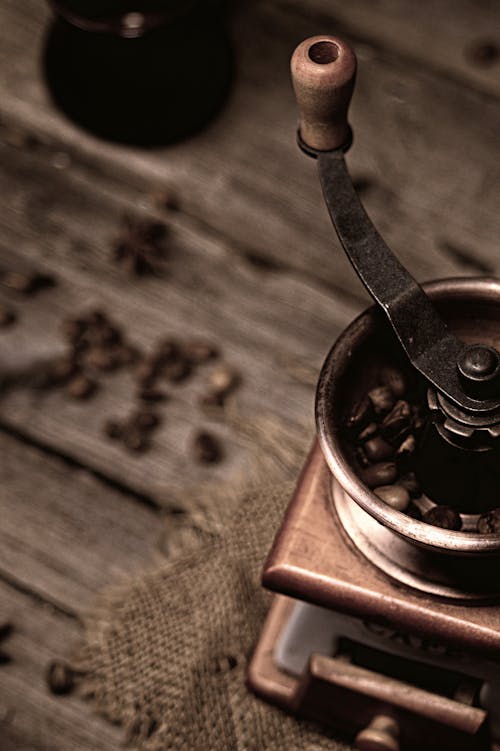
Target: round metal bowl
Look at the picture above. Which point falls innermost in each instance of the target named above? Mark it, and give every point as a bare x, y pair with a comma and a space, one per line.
472, 309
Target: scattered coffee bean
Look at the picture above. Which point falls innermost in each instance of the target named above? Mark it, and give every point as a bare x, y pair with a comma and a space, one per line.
397, 423
126, 354
166, 199
362, 457
483, 53
444, 517
206, 448
73, 329
198, 352
145, 421
60, 678
113, 429
376, 475
7, 316
360, 414
370, 431
151, 394
81, 387
136, 440
61, 371
395, 496
377, 449
382, 399
394, 380
146, 372
166, 351
176, 370
489, 524
101, 359
6, 629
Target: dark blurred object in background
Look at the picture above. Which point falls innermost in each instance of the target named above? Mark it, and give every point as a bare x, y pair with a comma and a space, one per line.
147, 77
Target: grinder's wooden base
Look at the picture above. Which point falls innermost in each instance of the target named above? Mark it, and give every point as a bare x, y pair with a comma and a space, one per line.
313, 560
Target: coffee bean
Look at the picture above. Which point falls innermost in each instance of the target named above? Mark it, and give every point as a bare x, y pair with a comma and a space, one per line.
166, 351
136, 440
61, 371
151, 394
145, 421
362, 457
395, 496
176, 370
397, 422
146, 372
166, 199
97, 318
360, 414
382, 399
393, 379
206, 448
7, 316
81, 387
6, 629
376, 449
444, 517
101, 359
489, 524
199, 352
223, 379
73, 329
383, 473
370, 431
483, 53
113, 429
406, 448
126, 354
60, 678
410, 482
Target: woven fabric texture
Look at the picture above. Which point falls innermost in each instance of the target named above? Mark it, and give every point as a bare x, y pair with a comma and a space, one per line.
166, 654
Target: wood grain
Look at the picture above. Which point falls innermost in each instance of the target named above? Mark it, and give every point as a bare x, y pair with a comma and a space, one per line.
64, 534
30, 717
259, 319
439, 35
423, 191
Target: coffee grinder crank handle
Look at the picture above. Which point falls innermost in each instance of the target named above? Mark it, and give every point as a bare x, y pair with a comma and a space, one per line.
466, 378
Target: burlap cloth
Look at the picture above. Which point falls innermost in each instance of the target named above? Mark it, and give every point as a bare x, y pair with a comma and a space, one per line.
166, 653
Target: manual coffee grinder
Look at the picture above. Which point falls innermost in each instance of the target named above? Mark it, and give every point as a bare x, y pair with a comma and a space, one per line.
387, 620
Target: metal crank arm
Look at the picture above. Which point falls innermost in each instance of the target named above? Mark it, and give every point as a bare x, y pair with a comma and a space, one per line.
465, 377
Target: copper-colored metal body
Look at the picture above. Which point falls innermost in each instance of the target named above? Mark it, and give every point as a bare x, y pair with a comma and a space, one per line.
319, 559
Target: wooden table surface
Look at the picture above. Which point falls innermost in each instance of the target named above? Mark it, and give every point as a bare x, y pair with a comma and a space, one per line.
253, 267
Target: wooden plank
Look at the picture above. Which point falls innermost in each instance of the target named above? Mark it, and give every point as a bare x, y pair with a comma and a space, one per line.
64, 534
439, 35
245, 178
30, 717
268, 325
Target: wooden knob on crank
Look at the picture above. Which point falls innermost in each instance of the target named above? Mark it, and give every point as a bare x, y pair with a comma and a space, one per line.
323, 75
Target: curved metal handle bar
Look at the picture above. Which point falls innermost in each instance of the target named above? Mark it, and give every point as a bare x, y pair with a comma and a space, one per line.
426, 339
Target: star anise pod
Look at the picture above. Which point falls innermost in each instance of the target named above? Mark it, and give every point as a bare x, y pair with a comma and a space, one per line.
5, 631
140, 248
